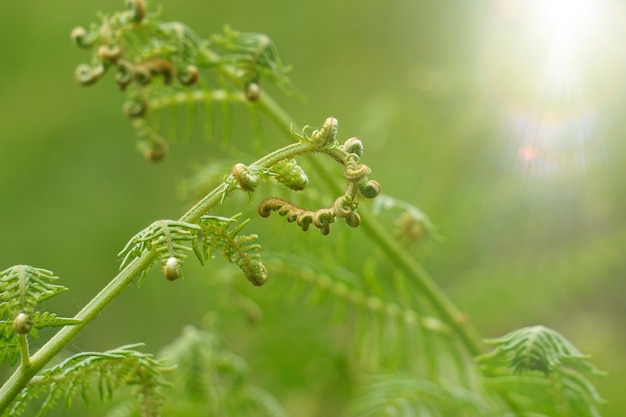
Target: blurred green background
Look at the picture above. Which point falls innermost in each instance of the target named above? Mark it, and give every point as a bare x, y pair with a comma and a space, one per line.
503, 120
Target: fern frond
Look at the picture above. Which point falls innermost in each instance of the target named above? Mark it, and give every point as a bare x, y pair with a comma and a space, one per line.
166, 65
170, 239
209, 380
388, 330
238, 249
401, 395
536, 348
22, 287
255, 55
538, 367
412, 225
106, 372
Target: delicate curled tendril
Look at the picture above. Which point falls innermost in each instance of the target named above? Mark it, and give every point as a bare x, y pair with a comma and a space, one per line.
369, 189
124, 75
354, 145
304, 218
327, 134
189, 75
353, 172
135, 108
82, 38
110, 53
137, 8
87, 75
345, 206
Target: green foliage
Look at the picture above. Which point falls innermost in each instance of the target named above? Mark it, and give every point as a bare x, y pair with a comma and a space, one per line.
210, 380
105, 372
401, 395
167, 67
538, 370
238, 249
22, 289
400, 325
170, 240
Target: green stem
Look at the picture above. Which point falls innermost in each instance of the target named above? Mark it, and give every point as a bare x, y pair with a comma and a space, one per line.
390, 247
28, 369
24, 351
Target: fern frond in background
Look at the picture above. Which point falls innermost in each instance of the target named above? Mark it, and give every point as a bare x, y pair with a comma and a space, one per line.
538, 370
157, 64
210, 380
104, 372
22, 288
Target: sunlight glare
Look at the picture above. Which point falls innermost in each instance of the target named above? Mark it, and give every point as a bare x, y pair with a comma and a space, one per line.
566, 28
548, 65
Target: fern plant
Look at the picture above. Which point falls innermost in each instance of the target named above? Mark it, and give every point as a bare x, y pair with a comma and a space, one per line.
412, 351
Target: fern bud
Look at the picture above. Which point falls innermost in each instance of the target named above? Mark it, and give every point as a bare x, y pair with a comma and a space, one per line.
171, 269
22, 323
124, 75
291, 174
253, 92
142, 74
110, 53
157, 66
153, 151
135, 108
86, 75
323, 218
355, 173
80, 38
325, 136
189, 76
138, 9
343, 206
354, 145
258, 274
369, 189
245, 179
354, 220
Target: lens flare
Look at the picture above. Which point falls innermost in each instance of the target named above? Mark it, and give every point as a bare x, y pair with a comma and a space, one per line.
547, 64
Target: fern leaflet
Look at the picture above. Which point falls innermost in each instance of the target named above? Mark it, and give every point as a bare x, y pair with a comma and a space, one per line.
238, 249
537, 368
106, 372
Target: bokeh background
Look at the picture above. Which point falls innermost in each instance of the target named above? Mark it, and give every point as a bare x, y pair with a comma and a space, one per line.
503, 120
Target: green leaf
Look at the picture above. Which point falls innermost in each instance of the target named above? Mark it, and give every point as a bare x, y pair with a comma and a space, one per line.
111, 370
22, 287
540, 371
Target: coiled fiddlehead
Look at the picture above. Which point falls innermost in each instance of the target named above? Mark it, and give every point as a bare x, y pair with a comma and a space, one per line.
161, 62
355, 173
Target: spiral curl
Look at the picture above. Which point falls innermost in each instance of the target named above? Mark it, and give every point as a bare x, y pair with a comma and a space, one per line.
135, 108
326, 136
82, 38
345, 206
87, 75
189, 75
246, 180
137, 9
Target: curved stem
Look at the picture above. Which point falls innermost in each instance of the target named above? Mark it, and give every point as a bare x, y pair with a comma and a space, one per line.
29, 368
392, 250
